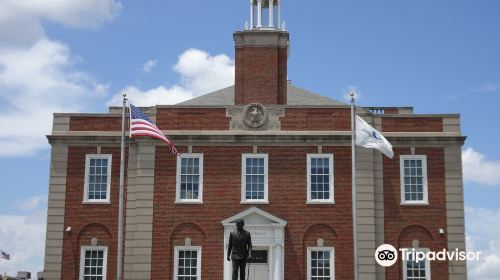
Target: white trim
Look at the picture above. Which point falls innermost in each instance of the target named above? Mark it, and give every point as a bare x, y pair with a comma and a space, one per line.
332, 260
198, 259
178, 199
86, 179
331, 200
243, 179
83, 249
423, 158
427, 264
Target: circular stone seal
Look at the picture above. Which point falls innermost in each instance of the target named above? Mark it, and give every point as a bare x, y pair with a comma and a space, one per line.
254, 115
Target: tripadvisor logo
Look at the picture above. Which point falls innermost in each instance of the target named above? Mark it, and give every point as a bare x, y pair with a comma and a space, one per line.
387, 255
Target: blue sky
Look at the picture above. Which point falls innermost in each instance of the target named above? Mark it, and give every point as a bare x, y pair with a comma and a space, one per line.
68, 56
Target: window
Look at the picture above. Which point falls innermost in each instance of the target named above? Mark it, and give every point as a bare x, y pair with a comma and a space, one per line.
413, 179
413, 270
320, 263
320, 178
187, 263
93, 262
254, 178
189, 178
97, 178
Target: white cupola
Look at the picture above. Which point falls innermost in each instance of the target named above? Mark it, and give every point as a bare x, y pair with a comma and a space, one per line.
265, 14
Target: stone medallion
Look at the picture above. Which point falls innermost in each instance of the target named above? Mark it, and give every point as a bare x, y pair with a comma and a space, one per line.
255, 116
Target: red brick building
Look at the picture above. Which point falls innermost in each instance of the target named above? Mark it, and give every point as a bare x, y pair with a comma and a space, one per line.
268, 152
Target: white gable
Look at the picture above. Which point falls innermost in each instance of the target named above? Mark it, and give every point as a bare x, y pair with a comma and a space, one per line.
255, 216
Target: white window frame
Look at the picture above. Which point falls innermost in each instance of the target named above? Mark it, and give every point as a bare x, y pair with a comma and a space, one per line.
176, 259
244, 200
427, 264
332, 260
331, 200
423, 158
83, 249
178, 199
86, 180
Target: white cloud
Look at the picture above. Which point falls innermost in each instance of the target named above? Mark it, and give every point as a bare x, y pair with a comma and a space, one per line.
159, 95
479, 169
23, 237
35, 82
483, 235
199, 72
486, 88
37, 74
21, 21
32, 203
202, 73
149, 65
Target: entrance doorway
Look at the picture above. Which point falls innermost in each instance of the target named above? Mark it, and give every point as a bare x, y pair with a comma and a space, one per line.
268, 240
258, 266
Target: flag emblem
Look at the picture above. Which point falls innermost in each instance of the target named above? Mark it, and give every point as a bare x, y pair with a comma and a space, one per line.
369, 137
5, 255
142, 125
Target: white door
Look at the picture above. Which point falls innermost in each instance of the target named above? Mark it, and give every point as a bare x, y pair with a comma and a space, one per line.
258, 267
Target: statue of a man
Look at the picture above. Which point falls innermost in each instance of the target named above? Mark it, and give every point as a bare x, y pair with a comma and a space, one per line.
240, 249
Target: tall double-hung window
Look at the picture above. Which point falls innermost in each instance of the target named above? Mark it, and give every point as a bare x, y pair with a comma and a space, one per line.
320, 178
97, 178
189, 178
254, 178
93, 262
320, 263
413, 179
416, 270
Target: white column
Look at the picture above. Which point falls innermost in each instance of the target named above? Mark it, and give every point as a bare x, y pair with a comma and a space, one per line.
278, 24
271, 16
278, 263
251, 14
228, 269
259, 13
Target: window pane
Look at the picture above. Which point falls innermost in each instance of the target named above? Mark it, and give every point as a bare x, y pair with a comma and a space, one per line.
413, 179
188, 264
320, 178
190, 178
255, 178
414, 270
97, 178
93, 264
320, 264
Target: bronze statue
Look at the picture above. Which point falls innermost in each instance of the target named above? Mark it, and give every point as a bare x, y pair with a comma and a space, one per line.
240, 249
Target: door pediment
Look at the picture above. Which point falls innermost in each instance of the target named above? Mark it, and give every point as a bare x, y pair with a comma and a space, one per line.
255, 216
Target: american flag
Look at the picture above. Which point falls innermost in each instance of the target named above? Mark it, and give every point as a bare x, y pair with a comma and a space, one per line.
5, 255
141, 125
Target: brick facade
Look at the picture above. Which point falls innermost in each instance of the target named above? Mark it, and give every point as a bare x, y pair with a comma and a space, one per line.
299, 131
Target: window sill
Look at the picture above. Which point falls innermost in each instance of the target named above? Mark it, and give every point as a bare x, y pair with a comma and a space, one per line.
96, 202
188, 202
254, 202
326, 202
420, 203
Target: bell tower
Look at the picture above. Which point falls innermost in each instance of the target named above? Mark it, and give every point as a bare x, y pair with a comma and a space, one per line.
261, 56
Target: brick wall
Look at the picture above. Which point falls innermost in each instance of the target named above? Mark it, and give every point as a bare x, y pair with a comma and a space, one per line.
89, 220
222, 194
412, 124
261, 75
316, 119
405, 223
192, 119
90, 123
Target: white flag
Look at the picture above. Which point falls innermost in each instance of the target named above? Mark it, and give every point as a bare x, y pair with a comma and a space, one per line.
369, 137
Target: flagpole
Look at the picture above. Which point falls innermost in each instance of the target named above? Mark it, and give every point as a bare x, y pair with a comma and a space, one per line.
119, 259
353, 175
